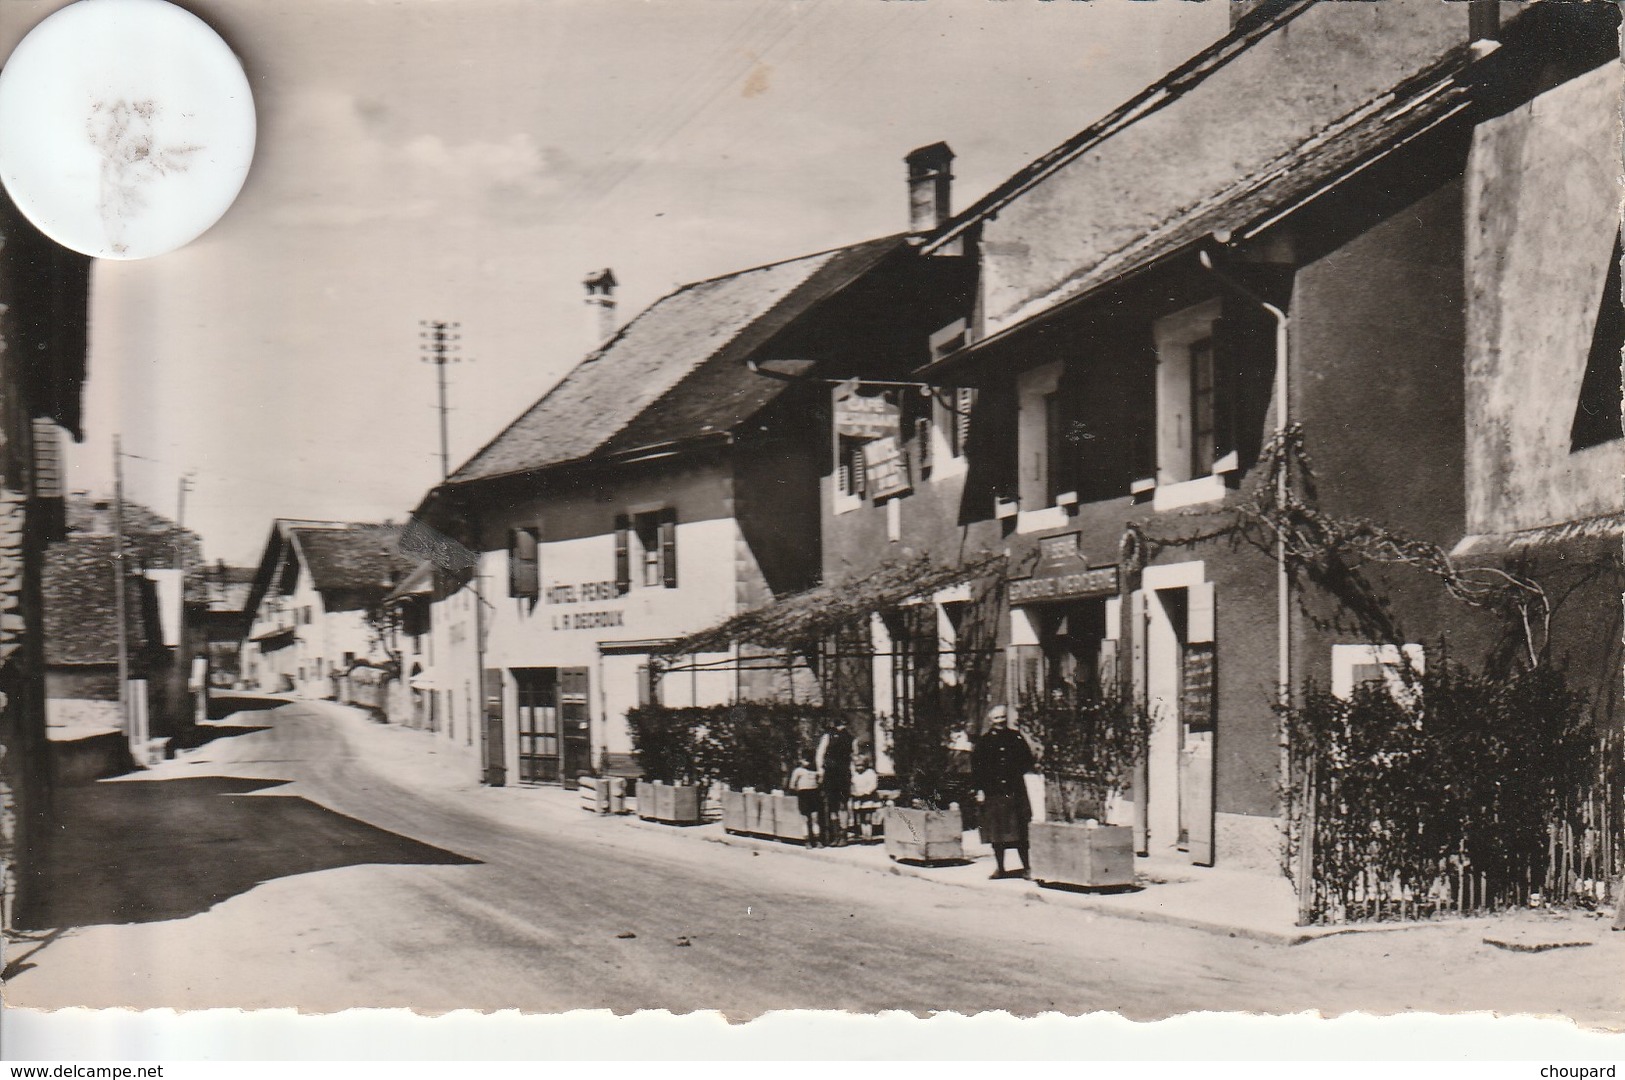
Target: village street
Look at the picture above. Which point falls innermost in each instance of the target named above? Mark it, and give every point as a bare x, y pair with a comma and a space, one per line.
310, 857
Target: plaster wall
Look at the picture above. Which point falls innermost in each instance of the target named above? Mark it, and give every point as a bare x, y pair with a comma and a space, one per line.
1543, 196
1322, 65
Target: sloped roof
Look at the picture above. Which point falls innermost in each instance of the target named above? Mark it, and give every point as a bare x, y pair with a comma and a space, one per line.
353, 557
1278, 187
675, 371
81, 606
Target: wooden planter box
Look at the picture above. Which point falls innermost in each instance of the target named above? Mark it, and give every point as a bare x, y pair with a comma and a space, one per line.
923, 835
759, 812
1099, 856
788, 824
735, 810
676, 804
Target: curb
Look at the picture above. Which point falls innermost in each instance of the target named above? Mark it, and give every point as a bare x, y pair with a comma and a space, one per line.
1082, 901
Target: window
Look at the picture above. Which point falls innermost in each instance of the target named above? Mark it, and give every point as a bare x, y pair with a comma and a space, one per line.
1356, 665
524, 568
656, 550
1597, 414
1213, 389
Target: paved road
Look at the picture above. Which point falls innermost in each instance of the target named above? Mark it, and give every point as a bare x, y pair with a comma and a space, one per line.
355, 885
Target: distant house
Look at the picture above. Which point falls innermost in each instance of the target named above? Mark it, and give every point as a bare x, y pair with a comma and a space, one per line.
217, 617
81, 641
311, 600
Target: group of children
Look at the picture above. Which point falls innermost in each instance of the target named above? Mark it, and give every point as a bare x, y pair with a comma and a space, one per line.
838, 804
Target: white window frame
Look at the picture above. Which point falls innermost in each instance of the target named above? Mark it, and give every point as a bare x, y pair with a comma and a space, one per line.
1033, 389
1346, 658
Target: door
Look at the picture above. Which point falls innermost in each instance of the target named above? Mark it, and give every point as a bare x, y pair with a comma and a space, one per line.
496, 768
537, 707
575, 732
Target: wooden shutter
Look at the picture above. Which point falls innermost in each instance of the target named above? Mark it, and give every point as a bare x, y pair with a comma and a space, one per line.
668, 548
1243, 377
964, 402
523, 573
922, 440
623, 554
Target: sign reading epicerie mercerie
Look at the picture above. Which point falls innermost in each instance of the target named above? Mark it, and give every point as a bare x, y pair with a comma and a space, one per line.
584, 593
1063, 573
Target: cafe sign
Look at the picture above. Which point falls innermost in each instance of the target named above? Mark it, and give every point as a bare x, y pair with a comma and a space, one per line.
861, 417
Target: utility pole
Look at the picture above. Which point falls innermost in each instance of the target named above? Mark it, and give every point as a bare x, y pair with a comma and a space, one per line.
184, 486
119, 575
439, 346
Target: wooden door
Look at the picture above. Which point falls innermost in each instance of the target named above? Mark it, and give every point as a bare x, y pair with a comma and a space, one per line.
493, 750
575, 732
536, 705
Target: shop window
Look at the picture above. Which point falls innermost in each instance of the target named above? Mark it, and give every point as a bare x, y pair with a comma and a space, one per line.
1597, 414
524, 570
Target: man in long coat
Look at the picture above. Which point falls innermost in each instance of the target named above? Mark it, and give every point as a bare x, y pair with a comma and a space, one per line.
999, 767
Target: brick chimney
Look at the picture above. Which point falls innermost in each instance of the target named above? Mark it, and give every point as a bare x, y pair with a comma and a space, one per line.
600, 286
929, 186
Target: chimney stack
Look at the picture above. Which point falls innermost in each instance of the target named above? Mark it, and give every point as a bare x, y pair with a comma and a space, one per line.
600, 285
929, 185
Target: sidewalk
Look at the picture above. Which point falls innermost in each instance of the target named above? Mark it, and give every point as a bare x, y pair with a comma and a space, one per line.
1230, 903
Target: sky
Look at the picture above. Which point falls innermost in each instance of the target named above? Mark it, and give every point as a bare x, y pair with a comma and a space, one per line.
473, 160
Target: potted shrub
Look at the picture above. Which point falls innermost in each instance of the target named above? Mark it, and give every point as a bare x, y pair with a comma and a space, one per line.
668, 743
1091, 743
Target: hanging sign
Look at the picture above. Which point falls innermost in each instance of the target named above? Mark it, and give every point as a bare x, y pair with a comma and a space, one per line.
861, 417
885, 467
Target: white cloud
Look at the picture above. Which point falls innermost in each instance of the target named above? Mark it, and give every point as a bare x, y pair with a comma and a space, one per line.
331, 159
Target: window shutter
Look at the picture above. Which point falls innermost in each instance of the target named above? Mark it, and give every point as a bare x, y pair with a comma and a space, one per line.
1243, 376
964, 402
922, 440
524, 579
623, 555
668, 548
859, 474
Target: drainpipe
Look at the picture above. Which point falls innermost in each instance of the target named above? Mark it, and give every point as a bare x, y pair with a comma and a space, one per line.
1283, 589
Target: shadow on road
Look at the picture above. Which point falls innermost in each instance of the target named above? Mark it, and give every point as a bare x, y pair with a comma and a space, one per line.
223, 703
203, 734
147, 851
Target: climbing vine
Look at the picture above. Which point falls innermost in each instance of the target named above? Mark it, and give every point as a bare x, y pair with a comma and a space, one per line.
1282, 512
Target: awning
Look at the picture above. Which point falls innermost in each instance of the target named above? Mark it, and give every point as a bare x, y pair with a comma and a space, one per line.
809, 616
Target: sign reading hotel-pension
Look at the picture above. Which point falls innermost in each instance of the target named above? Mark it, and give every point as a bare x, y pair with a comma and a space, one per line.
1098, 582
585, 592
860, 417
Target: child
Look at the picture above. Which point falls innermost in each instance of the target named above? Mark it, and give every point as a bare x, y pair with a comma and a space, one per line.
865, 797
804, 786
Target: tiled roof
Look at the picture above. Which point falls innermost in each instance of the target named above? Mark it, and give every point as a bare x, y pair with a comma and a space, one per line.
81, 621
675, 371
352, 557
